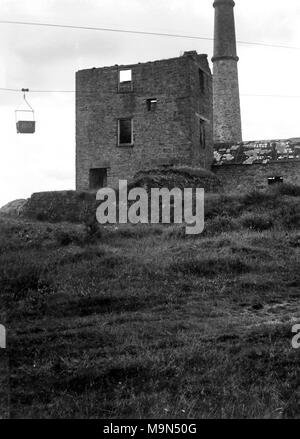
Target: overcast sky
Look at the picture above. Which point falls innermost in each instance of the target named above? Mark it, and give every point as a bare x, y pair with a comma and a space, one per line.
47, 59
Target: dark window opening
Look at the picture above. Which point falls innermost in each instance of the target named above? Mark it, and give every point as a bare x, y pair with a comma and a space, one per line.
151, 104
202, 80
275, 180
202, 134
97, 178
125, 132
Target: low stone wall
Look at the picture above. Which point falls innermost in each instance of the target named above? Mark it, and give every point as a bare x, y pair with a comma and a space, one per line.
247, 177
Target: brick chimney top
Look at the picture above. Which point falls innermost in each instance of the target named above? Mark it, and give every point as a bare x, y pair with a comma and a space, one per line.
223, 2
190, 53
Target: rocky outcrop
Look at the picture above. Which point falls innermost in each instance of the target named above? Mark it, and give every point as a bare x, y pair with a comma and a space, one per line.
13, 208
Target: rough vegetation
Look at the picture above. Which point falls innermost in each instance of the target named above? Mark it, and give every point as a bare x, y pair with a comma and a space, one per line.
145, 321
180, 177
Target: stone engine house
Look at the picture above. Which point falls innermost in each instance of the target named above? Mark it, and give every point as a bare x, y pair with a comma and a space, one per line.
145, 115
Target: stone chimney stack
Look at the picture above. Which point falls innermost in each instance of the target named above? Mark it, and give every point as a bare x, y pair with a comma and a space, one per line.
227, 113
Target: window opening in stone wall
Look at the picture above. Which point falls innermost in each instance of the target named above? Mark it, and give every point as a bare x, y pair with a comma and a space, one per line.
202, 134
97, 178
202, 80
151, 104
125, 76
125, 80
125, 132
275, 180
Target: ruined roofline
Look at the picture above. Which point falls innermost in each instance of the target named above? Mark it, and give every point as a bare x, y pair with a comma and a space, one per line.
273, 162
287, 139
188, 54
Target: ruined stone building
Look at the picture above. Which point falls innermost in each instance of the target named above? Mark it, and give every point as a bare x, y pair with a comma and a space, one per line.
161, 113
145, 115
169, 112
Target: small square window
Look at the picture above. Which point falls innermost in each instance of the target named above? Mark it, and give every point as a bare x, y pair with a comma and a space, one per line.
275, 180
125, 132
125, 76
151, 104
125, 81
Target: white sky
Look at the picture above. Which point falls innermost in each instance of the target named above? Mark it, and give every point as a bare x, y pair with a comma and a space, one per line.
47, 58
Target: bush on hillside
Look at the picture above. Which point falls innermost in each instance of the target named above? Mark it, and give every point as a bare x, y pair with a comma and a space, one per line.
289, 189
291, 217
257, 197
222, 205
219, 224
256, 221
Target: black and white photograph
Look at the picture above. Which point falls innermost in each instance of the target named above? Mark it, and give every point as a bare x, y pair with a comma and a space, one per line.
149, 213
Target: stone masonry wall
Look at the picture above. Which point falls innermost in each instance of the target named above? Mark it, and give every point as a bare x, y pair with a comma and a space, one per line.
227, 113
246, 177
168, 135
57, 206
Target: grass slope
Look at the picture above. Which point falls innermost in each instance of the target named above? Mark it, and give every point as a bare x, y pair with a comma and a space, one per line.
146, 322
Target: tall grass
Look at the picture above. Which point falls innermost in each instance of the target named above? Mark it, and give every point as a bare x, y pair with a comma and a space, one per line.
145, 321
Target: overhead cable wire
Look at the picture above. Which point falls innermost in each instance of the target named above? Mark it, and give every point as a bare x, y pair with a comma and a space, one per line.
139, 32
19, 90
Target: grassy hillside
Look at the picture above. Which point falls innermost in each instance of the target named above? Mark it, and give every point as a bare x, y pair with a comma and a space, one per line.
143, 321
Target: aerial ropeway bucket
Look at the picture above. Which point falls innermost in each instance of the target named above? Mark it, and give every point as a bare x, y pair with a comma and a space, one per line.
25, 121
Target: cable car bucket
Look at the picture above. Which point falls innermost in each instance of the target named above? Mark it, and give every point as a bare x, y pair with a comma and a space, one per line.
25, 120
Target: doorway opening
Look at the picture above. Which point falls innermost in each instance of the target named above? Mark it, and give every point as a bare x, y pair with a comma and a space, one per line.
97, 178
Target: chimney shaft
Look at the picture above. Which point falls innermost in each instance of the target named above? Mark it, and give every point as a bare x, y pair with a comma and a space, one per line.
227, 113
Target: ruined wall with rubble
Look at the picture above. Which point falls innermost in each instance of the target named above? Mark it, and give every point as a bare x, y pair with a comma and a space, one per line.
57, 206
167, 135
247, 177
